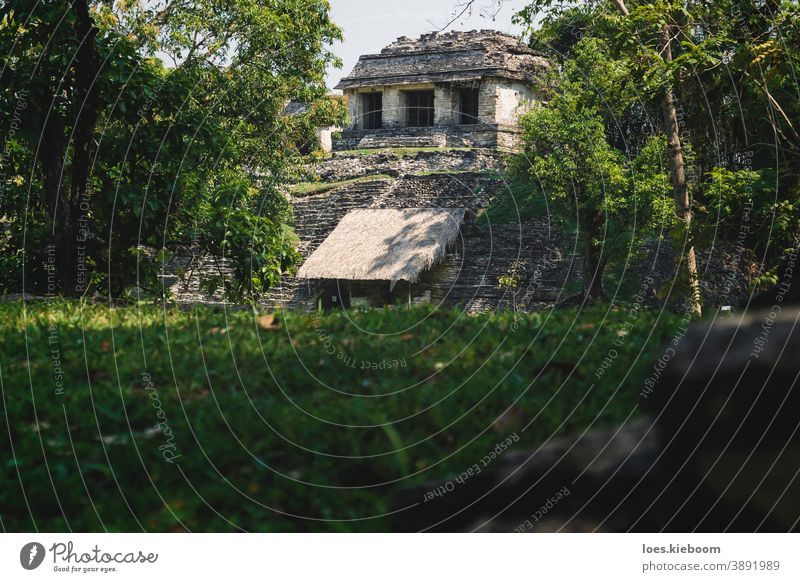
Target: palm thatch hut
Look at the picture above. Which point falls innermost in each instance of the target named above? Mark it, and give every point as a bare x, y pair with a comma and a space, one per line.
372, 250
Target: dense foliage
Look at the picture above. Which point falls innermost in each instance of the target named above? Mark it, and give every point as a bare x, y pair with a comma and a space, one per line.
208, 420
727, 69
589, 181
153, 124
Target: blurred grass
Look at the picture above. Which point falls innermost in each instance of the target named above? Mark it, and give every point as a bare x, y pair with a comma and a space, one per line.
273, 417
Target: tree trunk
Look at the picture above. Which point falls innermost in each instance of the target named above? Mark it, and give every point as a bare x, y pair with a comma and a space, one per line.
681, 193
592, 275
51, 157
69, 250
52, 152
593, 263
620, 4
679, 187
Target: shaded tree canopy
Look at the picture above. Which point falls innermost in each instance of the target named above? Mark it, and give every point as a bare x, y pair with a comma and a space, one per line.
728, 70
131, 124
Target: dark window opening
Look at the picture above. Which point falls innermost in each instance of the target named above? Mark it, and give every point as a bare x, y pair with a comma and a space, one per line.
369, 293
334, 295
468, 106
419, 108
373, 110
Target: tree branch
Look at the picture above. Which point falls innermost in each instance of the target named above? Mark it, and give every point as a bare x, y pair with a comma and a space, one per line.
620, 4
467, 6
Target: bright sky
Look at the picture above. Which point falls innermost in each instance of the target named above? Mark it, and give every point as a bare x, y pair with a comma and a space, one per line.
372, 24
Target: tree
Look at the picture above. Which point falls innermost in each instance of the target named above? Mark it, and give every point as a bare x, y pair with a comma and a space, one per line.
719, 80
612, 201
638, 43
116, 150
683, 210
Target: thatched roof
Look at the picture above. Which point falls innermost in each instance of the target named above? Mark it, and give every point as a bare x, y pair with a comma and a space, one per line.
385, 244
450, 56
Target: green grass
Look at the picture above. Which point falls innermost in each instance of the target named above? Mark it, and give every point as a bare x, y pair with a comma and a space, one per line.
307, 188
271, 419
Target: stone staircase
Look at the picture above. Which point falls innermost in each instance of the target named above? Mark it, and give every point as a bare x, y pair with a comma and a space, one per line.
346, 166
541, 253
470, 190
316, 215
468, 276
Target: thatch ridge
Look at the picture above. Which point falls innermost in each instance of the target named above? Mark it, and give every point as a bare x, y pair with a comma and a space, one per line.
385, 244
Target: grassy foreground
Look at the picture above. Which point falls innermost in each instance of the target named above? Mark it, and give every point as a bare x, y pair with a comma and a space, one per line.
210, 420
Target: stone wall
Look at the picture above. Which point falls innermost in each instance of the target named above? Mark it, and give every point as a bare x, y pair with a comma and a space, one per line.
187, 272
469, 276
344, 167
512, 100
724, 274
543, 254
500, 103
450, 56
503, 137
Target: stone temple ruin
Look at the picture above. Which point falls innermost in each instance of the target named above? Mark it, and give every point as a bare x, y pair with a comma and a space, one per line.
395, 217
397, 213
443, 90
